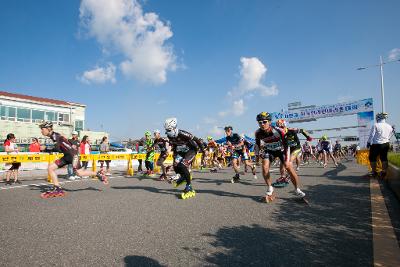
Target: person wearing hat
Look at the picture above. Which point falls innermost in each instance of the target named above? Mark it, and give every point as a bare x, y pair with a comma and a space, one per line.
75, 144
378, 144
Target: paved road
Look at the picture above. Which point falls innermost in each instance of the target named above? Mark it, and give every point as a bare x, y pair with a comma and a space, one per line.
141, 222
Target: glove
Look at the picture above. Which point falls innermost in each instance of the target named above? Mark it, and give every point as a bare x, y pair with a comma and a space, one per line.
368, 145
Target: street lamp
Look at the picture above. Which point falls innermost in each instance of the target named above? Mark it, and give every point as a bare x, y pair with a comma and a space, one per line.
380, 65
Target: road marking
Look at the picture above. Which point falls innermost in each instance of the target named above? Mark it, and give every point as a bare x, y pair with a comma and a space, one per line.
385, 245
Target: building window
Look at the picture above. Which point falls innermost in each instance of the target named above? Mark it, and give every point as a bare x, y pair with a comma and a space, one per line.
3, 115
62, 117
78, 125
50, 116
11, 113
37, 115
24, 114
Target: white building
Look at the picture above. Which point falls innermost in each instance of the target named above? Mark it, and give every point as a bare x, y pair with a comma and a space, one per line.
21, 115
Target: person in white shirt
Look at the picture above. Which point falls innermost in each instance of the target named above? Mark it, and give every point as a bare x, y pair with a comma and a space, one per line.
378, 143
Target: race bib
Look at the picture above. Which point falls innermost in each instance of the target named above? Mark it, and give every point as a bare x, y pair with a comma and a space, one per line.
274, 146
182, 149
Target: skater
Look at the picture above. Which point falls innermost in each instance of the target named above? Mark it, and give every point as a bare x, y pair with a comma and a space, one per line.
327, 151
293, 142
149, 161
61, 144
164, 148
237, 149
212, 153
272, 144
185, 147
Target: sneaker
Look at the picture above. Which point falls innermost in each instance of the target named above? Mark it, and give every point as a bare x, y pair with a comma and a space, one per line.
298, 168
77, 177
17, 182
71, 178
108, 173
85, 177
299, 193
8, 182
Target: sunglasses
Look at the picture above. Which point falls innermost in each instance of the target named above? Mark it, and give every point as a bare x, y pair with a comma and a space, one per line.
263, 122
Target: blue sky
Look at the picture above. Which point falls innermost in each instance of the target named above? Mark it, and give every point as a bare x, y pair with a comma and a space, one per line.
209, 63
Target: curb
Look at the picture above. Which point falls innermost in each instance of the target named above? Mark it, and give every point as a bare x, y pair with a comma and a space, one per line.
394, 179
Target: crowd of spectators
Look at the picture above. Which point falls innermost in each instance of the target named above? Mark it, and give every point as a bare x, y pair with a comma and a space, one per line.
83, 146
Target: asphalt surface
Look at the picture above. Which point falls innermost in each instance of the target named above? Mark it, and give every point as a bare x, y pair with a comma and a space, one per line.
137, 221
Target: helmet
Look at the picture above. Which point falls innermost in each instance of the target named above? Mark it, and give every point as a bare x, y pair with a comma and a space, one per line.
281, 123
381, 116
324, 137
228, 127
263, 116
170, 123
74, 133
209, 138
156, 131
46, 124
147, 133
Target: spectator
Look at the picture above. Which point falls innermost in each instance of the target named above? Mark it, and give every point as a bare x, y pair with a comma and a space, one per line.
11, 148
84, 149
378, 144
35, 146
76, 145
140, 150
104, 149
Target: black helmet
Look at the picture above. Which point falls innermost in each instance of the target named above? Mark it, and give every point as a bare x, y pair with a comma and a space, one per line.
46, 124
263, 116
228, 127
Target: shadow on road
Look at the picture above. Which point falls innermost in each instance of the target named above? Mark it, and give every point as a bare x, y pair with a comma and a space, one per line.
334, 231
45, 188
131, 261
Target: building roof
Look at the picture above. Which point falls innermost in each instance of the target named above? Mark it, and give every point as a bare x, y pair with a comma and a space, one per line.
39, 99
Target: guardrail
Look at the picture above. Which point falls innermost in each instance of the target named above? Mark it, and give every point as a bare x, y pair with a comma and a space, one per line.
50, 158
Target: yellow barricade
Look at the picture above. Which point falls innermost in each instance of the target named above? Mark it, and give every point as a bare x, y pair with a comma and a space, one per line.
50, 158
363, 159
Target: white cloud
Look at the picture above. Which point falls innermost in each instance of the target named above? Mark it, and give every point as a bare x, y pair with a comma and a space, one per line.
394, 54
252, 74
238, 108
122, 26
99, 75
216, 131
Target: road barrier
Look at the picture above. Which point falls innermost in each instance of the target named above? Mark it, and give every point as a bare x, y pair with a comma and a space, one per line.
50, 158
363, 159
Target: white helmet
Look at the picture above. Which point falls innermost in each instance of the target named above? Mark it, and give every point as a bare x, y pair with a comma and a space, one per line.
156, 131
170, 123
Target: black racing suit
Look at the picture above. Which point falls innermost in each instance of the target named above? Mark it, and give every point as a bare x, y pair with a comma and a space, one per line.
293, 140
162, 145
185, 147
272, 144
62, 145
238, 150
